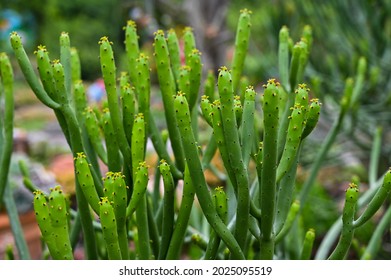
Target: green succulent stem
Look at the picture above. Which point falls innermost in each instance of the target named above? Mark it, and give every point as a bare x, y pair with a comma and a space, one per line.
58, 217
376, 202
241, 46
349, 211
109, 76
168, 209
235, 159
288, 223
308, 245
332, 235
144, 247
182, 220
283, 58
168, 89
174, 51
109, 229
28, 72
132, 49
267, 197
6, 125
189, 41
198, 179
65, 58
247, 125
160, 147
220, 201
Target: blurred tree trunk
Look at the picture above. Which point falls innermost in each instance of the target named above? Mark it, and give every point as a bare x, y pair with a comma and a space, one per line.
208, 20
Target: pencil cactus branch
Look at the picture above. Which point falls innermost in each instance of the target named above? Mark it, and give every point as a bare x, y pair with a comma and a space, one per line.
231, 137
241, 46
247, 125
128, 101
308, 245
143, 87
221, 204
109, 229
195, 73
283, 57
84, 176
375, 203
349, 212
7, 123
58, 217
182, 220
174, 51
189, 41
192, 159
65, 58
132, 48
109, 77
28, 72
269, 167
168, 208
139, 188
168, 89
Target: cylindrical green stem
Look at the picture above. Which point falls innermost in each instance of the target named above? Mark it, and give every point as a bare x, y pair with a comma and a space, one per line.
109, 229
144, 246
288, 223
86, 181
27, 69
241, 46
197, 176
182, 221
168, 208
58, 217
267, 195
167, 86
375, 203
283, 57
308, 244
174, 51
139, 188
160, 147
65, 58
113, 155
349, 211
220, 202
6, 129
143, 87
132, 49
231, 136
247, 125
109, 77
195, 72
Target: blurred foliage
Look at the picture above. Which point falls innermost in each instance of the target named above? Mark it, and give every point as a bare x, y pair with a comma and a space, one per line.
321, 212
343, 31
85, 21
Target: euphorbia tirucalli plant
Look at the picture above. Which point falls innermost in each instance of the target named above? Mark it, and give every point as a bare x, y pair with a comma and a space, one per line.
246, 128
